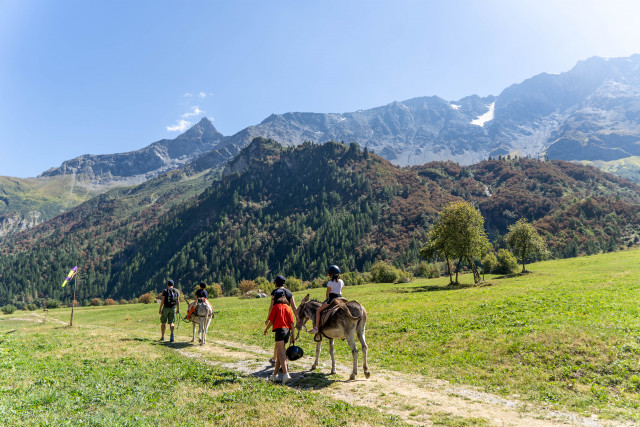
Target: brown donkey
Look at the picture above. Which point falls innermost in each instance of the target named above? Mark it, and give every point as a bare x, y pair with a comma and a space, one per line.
342, 322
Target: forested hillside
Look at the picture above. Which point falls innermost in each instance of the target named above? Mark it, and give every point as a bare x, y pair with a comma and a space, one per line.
295, 210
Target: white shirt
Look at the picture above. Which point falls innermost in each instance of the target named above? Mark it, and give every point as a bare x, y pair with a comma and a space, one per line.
335, 287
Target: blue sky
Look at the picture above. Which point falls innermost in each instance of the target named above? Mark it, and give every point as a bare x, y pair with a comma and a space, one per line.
84, 77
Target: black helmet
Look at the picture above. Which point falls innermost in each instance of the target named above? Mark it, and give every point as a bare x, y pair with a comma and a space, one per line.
333, 270
294, 353
279, 280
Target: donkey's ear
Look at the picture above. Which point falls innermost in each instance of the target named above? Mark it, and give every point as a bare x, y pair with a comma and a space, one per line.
305, 299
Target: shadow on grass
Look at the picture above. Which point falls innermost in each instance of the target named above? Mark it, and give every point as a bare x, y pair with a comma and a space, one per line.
436, 288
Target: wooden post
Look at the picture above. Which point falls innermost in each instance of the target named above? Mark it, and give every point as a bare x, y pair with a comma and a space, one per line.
73, 301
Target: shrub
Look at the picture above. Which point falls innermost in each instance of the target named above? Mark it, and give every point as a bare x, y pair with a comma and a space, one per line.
489, 262
20, 305
53, 303
507, 263
31, 307
434, 271
96, 302
404, 276
246, 286
214, 290
76, 303
123, 301
421, 270
382, 272
146, 298
352, 278
293, 284
133, 301
109, 301
318, 282
8, 309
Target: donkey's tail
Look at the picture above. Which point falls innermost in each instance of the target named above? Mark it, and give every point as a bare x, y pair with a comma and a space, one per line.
353, 309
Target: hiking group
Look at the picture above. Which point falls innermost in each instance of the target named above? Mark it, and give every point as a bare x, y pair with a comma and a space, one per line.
170, 307
334, 318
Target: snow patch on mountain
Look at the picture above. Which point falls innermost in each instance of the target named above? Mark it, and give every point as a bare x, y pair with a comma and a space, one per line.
486, 117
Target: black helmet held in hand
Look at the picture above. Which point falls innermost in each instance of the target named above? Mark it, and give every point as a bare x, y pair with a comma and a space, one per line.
294, 353
333, 270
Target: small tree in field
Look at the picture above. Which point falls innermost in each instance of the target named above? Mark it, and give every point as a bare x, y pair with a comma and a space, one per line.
525, 241
458, 234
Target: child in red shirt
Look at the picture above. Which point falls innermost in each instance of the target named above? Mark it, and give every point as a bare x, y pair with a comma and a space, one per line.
281, 318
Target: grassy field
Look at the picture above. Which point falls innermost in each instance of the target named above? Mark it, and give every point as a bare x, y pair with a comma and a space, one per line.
566, 335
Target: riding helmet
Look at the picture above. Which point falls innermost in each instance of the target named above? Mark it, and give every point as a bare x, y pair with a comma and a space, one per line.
279, 280
333, 270
294, 353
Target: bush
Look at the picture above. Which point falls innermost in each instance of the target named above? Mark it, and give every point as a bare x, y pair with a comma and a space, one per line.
434, 271
53, 303
133, 301
352, 278
146, 298
96, 302
318, 282
123, 301
32, 307
76, 303
293, 284
507, 263
8, 309
246, 286
382, 272
421, 270
214, 290
20, 305
489, 262
109, 301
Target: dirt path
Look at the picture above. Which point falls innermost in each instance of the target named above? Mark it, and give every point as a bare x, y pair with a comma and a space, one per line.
414, 398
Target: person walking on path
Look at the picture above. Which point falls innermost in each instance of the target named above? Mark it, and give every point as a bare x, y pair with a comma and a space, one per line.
334, 290
169, 307
281, 318
279, 292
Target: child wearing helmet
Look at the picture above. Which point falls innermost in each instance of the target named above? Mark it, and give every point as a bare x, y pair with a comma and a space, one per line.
334, 290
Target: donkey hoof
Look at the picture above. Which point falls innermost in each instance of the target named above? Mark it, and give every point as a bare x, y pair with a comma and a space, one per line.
352, 377
367, 374
313, 367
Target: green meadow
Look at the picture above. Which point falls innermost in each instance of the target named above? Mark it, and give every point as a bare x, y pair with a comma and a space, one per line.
565, 336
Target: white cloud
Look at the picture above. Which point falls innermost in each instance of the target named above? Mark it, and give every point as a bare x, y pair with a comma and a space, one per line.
188, 95
202, 95
194, 112
181, 126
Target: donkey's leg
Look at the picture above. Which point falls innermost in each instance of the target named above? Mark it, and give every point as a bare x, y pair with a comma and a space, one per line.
333, 356
354, 352
193, 335
318, 346
360, 331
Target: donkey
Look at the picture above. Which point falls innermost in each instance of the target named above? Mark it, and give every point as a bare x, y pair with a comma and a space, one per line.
202, 317
344, 322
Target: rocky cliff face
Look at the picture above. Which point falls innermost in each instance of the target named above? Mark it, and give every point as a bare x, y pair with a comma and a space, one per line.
159, 157
591, 112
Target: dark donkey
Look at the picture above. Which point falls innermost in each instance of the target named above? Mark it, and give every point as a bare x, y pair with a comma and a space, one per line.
343, 323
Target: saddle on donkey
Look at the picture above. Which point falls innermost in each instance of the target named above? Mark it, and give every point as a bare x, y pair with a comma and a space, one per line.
337, 304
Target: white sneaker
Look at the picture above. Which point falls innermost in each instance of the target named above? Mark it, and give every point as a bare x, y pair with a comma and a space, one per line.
286, 378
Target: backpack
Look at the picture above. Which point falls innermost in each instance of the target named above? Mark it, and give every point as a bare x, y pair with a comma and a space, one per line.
172, 297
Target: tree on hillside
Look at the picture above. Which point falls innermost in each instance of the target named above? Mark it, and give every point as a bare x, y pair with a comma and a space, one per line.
458, 234
525, 241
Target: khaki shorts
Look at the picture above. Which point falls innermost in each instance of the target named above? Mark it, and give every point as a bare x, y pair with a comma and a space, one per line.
168, 315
